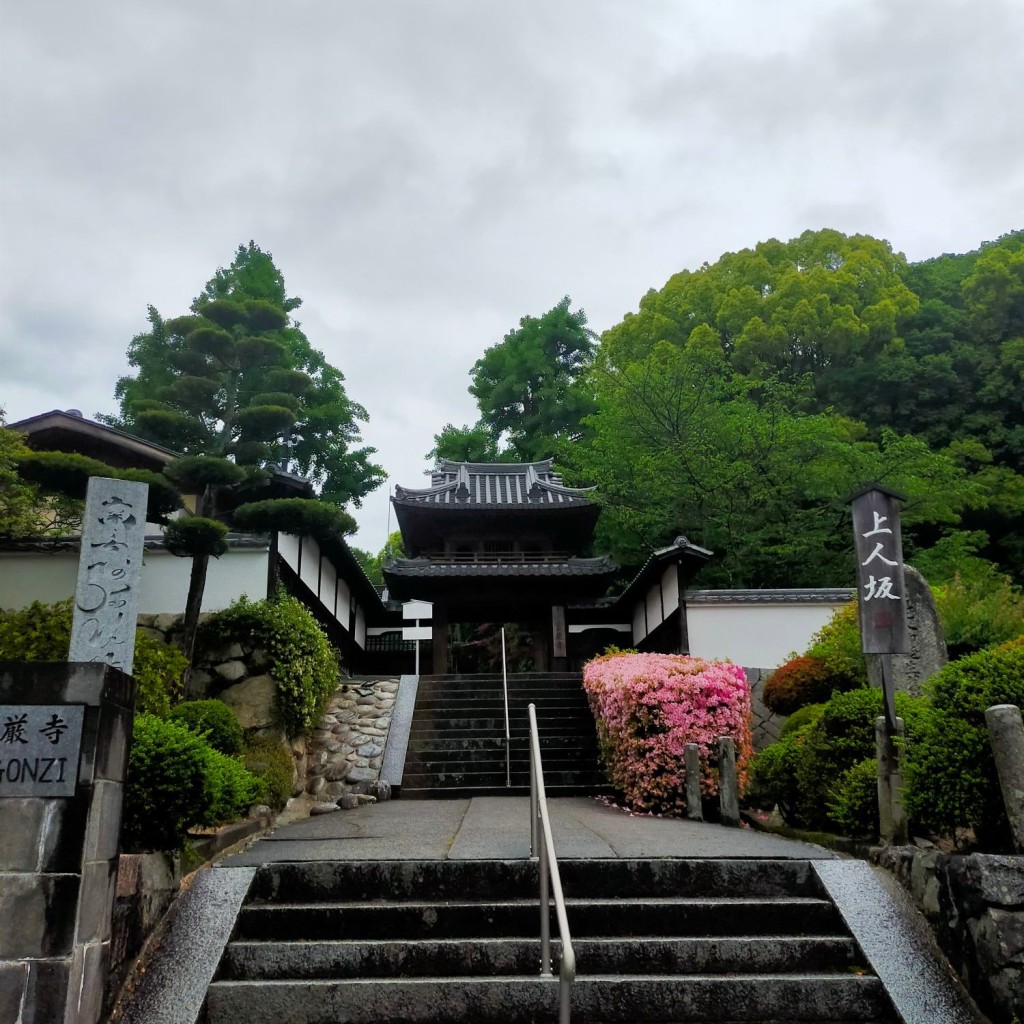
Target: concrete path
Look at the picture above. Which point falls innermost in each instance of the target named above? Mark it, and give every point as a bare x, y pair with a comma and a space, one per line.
498, 828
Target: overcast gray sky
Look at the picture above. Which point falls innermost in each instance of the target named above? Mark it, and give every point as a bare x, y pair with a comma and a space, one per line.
426, 172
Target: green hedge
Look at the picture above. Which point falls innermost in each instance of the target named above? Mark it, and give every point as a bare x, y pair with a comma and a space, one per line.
950, 776
177, 780
42, 632
303, 663
815, 772
214, 721
273, 766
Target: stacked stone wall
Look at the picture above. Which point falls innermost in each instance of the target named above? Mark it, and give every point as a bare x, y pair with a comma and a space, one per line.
975, 904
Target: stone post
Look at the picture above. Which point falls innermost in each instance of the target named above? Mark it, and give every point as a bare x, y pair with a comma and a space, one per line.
1006, 734
691, 755
728, 788
892, 818
60, 817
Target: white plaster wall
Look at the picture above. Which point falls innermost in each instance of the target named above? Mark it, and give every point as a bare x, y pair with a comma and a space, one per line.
758, 635
343, 607
654, 613
328, 585
288, 549
670, 589
360, 633
309, 570
38, 576
639, 622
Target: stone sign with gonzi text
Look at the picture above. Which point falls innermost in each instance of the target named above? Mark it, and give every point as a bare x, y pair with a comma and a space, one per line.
109, 571
39, 749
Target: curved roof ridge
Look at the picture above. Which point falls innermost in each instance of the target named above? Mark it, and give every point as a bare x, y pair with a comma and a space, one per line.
424, 492
452, 466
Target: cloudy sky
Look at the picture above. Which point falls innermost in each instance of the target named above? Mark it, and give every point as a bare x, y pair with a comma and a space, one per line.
426, 172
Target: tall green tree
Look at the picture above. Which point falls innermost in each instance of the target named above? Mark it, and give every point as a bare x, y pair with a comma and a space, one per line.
238, 377
530, 389
237, 388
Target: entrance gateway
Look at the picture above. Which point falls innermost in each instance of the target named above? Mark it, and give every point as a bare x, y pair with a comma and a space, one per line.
510, 542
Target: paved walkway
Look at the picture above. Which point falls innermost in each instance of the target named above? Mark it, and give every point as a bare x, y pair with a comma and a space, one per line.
498, 828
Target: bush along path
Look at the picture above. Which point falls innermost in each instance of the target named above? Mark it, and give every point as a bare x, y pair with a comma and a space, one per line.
346, 752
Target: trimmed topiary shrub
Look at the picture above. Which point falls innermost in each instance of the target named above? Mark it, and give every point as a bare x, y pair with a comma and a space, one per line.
807, 715
799, 682
853, 801
648, 706
42, 632
166, 790
806, 770
837, 644
214, 721
951, 780
176, 780
273, 766
303, 663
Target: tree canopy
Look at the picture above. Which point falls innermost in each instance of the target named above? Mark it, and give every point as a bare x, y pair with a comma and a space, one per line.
742, 398
237, 377
530, 389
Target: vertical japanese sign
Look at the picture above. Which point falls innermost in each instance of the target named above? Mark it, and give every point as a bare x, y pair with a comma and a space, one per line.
109, 573
879, 545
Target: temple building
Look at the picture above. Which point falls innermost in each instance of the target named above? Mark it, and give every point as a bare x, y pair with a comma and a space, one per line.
511, 543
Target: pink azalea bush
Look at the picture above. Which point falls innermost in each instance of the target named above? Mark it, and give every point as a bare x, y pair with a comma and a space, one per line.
649, 706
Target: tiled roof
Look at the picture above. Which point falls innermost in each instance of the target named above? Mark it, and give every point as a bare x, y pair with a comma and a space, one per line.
494, 484
788, 595
425, 567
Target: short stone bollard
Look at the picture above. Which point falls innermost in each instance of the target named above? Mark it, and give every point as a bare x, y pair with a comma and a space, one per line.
1006, 735
728, 787
691, 761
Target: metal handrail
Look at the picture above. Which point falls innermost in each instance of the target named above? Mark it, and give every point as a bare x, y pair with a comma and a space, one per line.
540, 822
508, 731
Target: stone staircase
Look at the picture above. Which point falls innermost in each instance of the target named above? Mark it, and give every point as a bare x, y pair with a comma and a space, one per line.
439, 942
457, 739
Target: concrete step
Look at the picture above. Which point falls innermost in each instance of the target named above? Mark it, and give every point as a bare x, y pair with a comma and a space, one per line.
384, 958
765, 999
518, 788
551, 742
597, 917
488, 722
564, 759
551, 702
307, 881
554, 781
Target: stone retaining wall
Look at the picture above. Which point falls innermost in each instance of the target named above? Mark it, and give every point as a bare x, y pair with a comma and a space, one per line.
975, 904
346, 752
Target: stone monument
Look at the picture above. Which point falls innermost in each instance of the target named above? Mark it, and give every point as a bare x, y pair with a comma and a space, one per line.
65, 731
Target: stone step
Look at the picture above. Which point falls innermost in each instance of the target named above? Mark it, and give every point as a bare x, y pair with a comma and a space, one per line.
384, 958
558, 741
761, 998
562, 760
583, 780
466, 791
551, 721
589, 917
549, 702
307, 881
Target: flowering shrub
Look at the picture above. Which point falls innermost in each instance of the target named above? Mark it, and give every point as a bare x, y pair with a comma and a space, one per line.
649, 706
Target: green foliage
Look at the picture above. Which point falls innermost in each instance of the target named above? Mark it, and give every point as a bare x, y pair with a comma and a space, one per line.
838, 645
681, 443
394, 547
800, 681
167, 790
853, 802
807, 715
42, 632
214, 721
468, 444
272, 764
19, 501
805, 773
951, 780
68, 474
196, 536
194, 473
979, 611
296, 515
303, 663
176, 780
237, 376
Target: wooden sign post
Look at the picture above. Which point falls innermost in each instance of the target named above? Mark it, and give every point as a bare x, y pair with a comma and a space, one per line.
883, 630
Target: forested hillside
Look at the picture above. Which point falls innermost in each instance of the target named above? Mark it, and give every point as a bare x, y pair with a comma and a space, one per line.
744, 401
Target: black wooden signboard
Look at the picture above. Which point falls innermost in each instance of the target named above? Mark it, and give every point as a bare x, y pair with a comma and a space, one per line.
883, 607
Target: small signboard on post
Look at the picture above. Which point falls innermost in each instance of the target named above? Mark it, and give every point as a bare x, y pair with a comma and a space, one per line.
880, 587
39, 749
883, 629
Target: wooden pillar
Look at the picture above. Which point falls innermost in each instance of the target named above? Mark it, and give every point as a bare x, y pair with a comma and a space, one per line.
684, 629
541, 646
439, 637
559, 655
